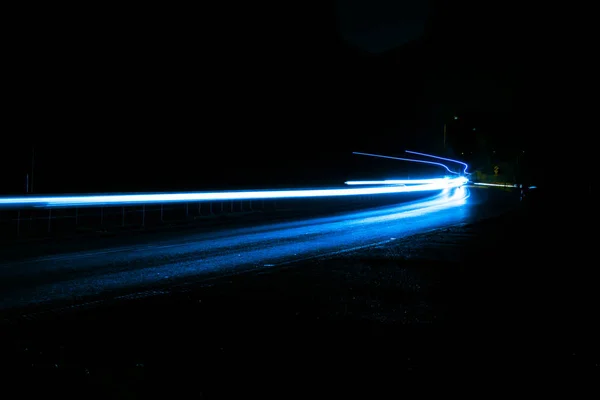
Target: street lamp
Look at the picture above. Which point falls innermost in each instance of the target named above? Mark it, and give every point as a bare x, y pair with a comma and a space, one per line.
444, 136
455, 118
32, 166
29, 175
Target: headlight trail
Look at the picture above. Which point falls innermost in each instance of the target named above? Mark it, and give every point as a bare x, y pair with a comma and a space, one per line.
440, 158
406, 159
194, 256
506, 185
398, 181
495, 184
162, 198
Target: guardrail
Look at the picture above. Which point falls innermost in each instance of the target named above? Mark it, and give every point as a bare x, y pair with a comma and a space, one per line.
37, 223
47, 215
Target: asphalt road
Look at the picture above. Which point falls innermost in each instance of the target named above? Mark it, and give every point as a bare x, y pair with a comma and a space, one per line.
75, 277
489, 304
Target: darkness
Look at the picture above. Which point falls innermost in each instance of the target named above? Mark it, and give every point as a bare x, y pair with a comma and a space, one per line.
243, 95
238, 95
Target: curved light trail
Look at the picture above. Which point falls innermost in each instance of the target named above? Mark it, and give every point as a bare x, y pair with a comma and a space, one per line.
407, 159
397, 181
441, 158
377, 187
162, 198
131, 266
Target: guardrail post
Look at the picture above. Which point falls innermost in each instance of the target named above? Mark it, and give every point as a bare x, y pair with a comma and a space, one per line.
49, 219
76, 216
187, 210
210, 208
18, 222
161, 213
123, 216
231, 206
101, 215
143, 215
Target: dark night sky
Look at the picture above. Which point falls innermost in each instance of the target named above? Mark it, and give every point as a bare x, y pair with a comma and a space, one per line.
148, 99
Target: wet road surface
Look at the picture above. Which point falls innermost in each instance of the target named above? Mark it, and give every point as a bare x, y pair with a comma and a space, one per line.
74, 276
492, 304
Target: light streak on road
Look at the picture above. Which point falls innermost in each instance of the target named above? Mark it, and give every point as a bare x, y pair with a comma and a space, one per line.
505, 185
153, 263
440, 158
494, 184
162, 198
407, 159
398, 181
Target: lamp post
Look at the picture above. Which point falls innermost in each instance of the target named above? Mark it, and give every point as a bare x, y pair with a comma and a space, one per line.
445, 132
29, 175
444, 137
32, 166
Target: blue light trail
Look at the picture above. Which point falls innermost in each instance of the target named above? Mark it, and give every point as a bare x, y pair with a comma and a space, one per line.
440, 158
398, 181
407, 159
162, 198
495, 184
194, 256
